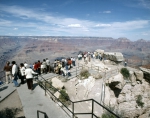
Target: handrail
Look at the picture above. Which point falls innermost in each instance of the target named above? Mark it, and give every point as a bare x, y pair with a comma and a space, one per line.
45, 115
73, 111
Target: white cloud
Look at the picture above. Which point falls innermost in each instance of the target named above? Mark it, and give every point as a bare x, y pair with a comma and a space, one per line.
103, 25
74, 25
15, 28
107, 12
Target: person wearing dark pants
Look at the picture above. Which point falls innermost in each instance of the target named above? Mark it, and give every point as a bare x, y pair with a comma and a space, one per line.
22, 70
30, 83
29, 77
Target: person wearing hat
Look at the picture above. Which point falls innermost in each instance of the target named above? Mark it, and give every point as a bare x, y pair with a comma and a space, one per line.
29, 77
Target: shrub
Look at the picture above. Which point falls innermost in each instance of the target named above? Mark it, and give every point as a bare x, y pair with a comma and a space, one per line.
9, 112
125, 72
139, 101
64, 97
107, 114
84, 73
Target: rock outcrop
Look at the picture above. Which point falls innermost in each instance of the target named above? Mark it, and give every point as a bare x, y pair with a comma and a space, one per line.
146, 72
114, 56
127, 102
57, 83
116, 81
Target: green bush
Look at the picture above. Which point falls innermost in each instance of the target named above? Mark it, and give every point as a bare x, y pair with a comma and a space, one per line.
139, 101
125, 72
9, 112
84, 73
107, 114
64, 97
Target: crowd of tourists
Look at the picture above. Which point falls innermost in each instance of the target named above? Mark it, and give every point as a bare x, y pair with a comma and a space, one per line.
26, 71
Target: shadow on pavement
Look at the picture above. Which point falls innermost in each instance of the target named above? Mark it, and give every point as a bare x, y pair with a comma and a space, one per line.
3, 88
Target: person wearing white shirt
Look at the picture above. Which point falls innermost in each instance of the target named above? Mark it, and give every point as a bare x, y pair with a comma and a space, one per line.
25, 64
29, 77
48, 64
44, 64
22, 71
14, 73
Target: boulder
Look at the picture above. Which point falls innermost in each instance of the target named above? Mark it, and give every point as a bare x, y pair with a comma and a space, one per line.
146, 73
139, 75
129, 109
132, 77
126, 89
117, 81
114, 56
57, 83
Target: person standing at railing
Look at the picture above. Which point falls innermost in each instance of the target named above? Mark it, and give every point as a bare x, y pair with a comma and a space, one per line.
39, 67
44, 66
35, 67
14, 73
22, 70
7, 69
29, 77
48, 65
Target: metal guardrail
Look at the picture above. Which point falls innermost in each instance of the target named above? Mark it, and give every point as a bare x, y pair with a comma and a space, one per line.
72, 111
38, 112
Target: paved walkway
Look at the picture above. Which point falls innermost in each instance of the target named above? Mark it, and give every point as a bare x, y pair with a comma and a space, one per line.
6, 90
33, 101
36, 100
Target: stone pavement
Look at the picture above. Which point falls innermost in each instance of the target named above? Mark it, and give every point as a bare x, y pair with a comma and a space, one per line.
36, 100
33, 101
6, 90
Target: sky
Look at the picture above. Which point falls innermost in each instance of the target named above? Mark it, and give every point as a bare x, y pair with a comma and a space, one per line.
96, 18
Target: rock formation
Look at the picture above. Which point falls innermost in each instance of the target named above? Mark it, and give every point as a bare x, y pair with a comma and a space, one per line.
114, 56
133, 98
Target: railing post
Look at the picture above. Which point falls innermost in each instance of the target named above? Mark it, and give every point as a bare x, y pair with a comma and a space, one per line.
45, 88
92, 108
72, 109
37, 114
